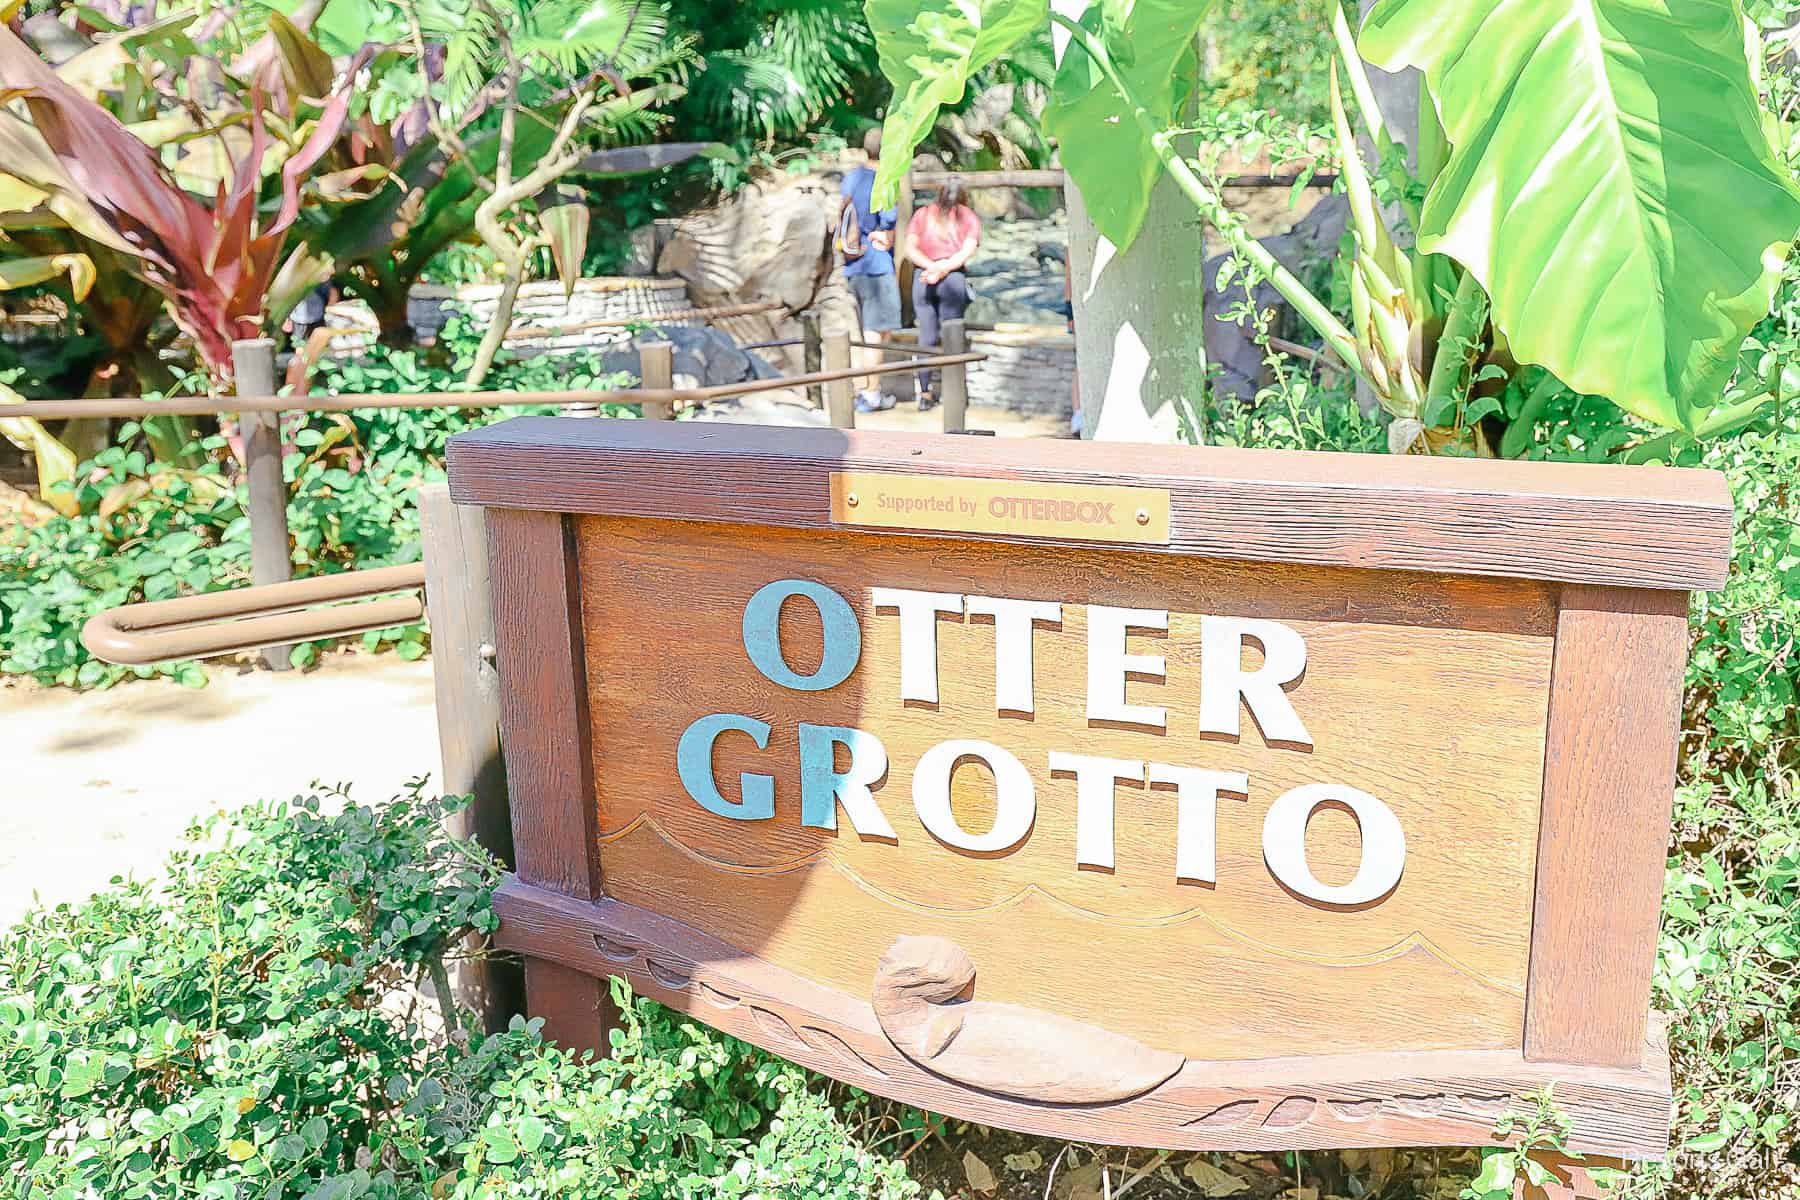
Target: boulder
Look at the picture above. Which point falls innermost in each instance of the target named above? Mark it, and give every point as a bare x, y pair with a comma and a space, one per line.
770, 241
1231, 348
703, 357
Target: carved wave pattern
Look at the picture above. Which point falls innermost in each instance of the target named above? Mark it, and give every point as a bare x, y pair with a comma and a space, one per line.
1289, 1112
1417, 940
775, 1028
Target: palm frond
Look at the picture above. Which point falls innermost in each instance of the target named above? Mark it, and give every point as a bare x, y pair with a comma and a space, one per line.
802, 61
579, 35
628, 120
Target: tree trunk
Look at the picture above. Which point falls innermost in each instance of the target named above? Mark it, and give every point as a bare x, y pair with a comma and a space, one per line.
393, 320
503, 311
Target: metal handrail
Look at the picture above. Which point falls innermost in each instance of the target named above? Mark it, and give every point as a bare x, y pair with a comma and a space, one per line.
243, 619
192, 406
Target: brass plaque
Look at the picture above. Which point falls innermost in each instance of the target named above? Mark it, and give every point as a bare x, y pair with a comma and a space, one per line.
1090, 512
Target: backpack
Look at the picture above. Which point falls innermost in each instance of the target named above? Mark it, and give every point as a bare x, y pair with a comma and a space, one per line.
849, 240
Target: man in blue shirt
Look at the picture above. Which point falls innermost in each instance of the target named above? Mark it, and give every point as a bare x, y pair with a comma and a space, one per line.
870, 273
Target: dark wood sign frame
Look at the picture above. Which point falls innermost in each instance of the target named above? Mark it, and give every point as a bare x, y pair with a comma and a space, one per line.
1624, 546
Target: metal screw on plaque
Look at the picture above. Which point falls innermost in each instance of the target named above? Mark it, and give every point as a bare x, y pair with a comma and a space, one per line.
850, 499
1143, 516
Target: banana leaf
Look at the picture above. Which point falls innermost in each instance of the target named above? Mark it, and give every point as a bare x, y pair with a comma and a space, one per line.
929, 50
1104, 149
1609, 182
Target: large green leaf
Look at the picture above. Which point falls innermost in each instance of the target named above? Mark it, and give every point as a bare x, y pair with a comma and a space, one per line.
1609, 182
929, 49
1104, 148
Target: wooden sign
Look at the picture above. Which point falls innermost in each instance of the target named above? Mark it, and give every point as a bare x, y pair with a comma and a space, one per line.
1156, 796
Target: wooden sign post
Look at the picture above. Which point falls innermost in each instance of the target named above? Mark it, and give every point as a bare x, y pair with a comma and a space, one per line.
1153, 796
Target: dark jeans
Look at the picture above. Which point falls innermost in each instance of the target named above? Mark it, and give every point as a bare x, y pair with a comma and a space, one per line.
933, 304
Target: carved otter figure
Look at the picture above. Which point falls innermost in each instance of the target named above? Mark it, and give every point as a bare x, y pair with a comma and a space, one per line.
1003, 1048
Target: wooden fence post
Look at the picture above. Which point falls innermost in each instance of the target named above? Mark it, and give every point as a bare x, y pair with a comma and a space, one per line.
903, 270
465, 677
656, 369
271, 561
840, 394
955, 340
812, 356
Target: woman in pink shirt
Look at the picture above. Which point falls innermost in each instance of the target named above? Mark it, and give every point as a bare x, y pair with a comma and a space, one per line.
940, 240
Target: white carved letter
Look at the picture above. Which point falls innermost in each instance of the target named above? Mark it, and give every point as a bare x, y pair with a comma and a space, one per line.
1197, 793
1015, 802
1095, 779
1108, 664
1013, 620
918, 636
1383, 844
1223, 678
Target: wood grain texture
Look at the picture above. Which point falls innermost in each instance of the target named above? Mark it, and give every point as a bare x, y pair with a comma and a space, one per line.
544, 738
656, 369
840, 394
466, 683
576, 1006
543, 704
1627, 526
1318, 1102
1609, 781
271, 548
467, 690
1428, 692
955, 398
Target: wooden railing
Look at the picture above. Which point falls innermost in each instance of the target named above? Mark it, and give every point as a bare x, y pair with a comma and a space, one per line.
276, 613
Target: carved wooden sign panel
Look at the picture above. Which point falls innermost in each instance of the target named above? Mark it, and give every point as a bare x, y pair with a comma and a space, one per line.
1209, 838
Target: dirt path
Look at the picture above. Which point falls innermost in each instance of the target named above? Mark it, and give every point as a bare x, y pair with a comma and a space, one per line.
99, 784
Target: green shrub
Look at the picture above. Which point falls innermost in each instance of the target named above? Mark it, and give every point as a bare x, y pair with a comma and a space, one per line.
248, 1028
148, 530
1728, 968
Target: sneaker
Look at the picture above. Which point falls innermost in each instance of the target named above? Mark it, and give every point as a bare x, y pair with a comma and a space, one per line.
868, 402
927, 401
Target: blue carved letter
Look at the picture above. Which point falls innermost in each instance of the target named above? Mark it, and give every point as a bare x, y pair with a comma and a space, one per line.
762, 635
694, 762
823, 787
